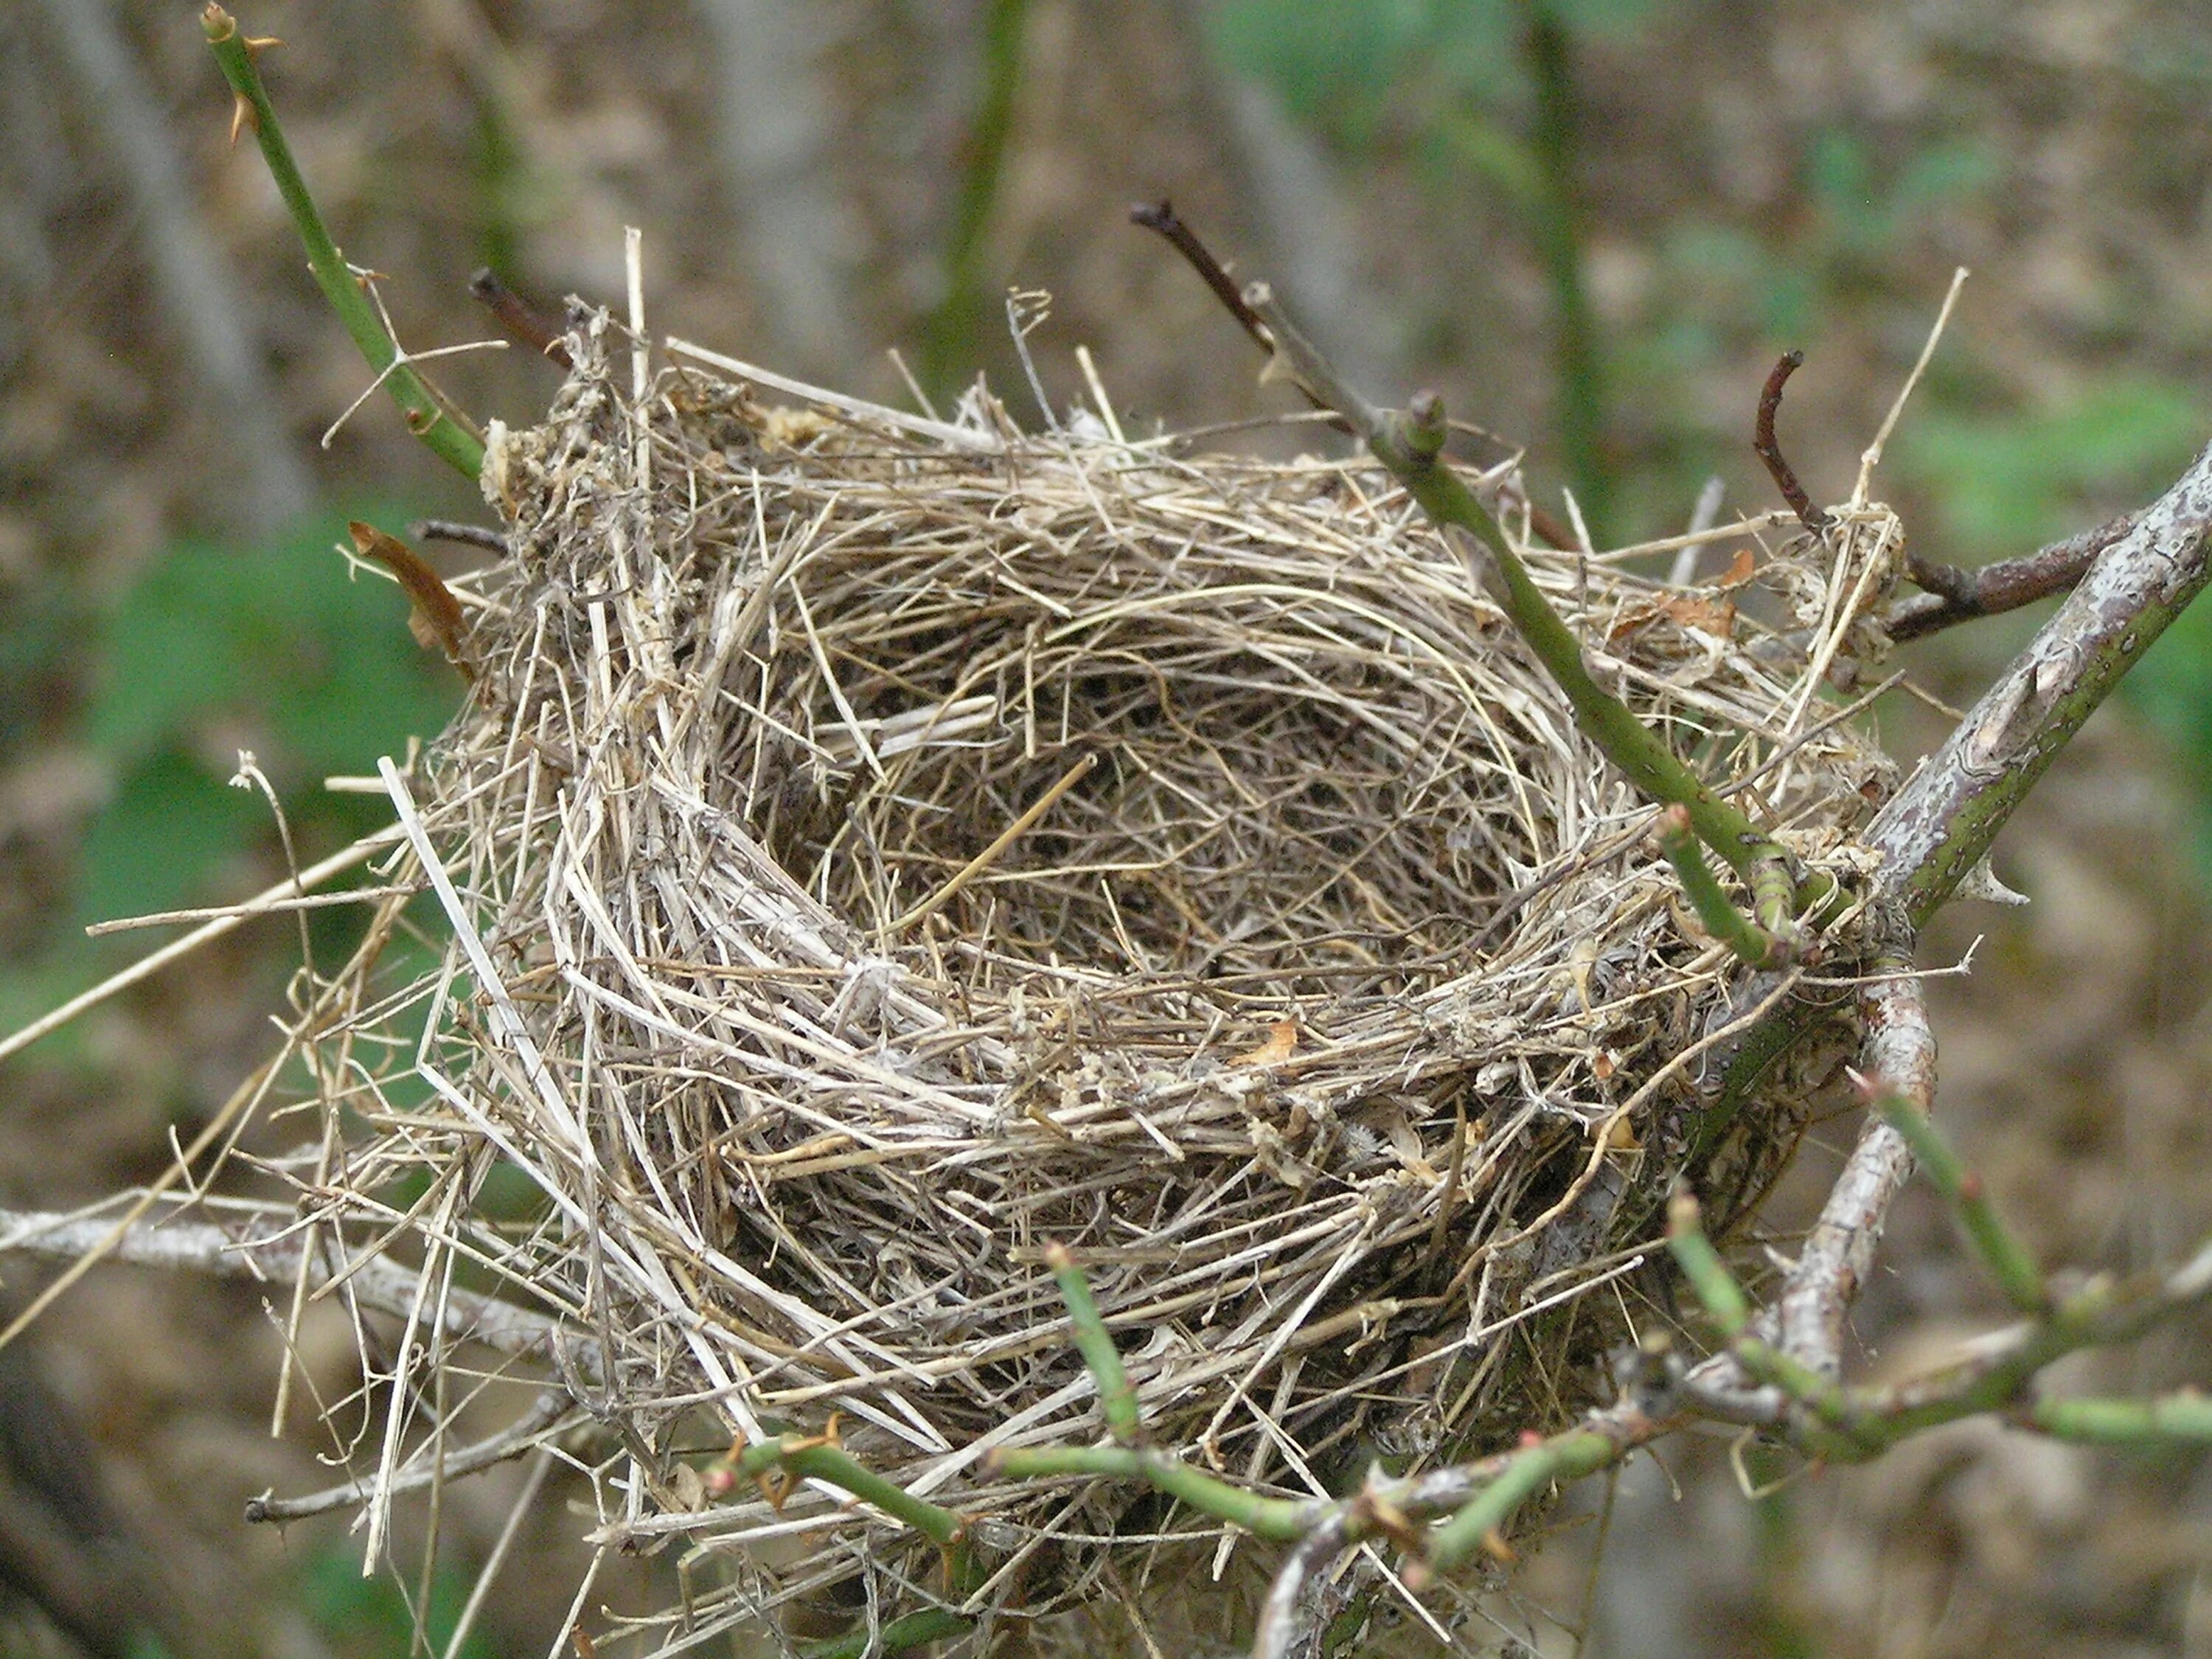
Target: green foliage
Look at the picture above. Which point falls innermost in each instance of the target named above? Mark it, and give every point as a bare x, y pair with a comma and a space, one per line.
1349, 66
1865, 215
35, 642
372, 1618
2003, 483
277, 648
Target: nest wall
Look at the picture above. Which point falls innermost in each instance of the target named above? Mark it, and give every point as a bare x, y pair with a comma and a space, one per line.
901, 844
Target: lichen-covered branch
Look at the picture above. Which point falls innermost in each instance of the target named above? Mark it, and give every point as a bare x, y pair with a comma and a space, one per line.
1941, 824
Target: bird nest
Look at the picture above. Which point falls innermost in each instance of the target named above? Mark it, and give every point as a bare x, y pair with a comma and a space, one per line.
877, 848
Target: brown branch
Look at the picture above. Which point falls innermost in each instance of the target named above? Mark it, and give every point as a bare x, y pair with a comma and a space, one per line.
1954, 595
1160, 216
463, 535
1764, 445
520, 317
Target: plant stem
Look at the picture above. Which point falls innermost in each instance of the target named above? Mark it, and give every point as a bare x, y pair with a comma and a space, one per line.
1719, 918
1117, 1400
1279, 1518
902, 1635
2007, 1259
1941, 824
1710, 1281
1567, 1457
813, 1459
426, 417
1411, 445
2166, 1420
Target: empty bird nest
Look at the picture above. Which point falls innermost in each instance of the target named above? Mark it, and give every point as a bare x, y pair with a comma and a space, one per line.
876, 848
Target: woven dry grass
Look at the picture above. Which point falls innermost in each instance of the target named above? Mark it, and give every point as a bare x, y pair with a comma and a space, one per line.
878, 848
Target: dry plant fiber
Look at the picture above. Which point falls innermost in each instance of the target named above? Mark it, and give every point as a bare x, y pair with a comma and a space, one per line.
880, 847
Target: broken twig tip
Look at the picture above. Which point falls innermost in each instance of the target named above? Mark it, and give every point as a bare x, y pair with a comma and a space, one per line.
1765, 446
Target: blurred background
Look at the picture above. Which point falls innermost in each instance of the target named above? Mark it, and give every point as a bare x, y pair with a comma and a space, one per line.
1592, 224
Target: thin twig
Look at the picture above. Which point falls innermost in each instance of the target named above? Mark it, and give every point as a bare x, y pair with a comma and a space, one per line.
1117, 1402
1954, 595
1161, 217
464, 535
1765, 446
1410, 446
1012, 833
525, 1434
2003, 1254
528, 324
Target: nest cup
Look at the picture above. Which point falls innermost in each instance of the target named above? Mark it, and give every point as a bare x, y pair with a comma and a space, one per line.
900, 844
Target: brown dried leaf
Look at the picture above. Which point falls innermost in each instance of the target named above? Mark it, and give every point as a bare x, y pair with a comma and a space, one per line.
1713, 617
436, 619
1282, 1042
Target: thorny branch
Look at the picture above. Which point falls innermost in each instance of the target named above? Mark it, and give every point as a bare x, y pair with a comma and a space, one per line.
1932, 833
427, 417
1781, 1367
1410, 444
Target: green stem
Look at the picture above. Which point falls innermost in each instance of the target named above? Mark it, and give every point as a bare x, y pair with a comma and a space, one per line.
426, 417
1710, 1281
1411, 445
814, 1461
1719, 918
1567, 1457
902, 1635
949, 343
1283, 1519
1117, 1400
2007, 1259
2145, 1425
1558, 226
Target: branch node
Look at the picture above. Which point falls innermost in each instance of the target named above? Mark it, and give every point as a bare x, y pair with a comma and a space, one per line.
1720, 919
